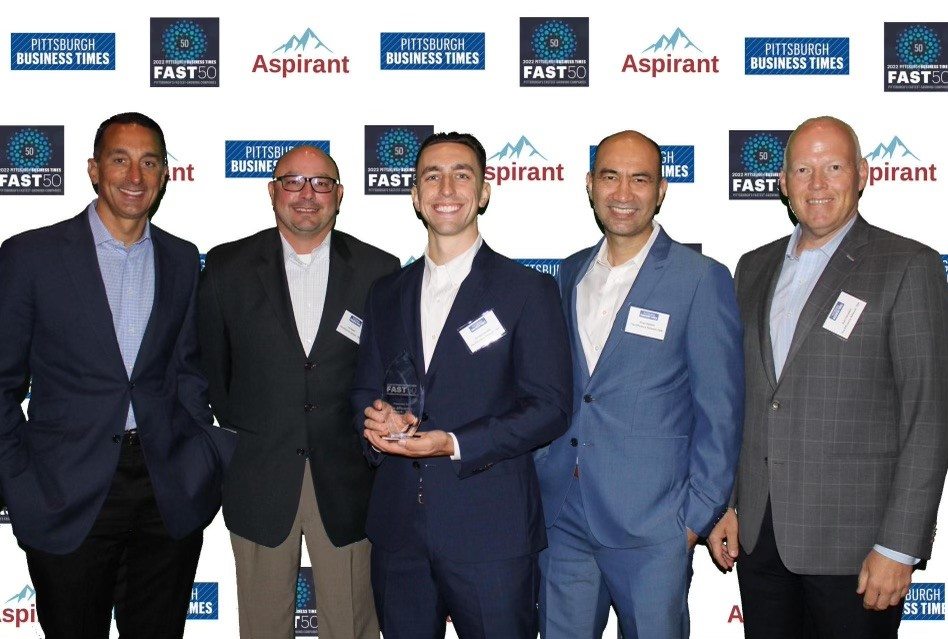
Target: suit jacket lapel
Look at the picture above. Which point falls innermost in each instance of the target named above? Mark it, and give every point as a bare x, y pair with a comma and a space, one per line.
272, 276
649, 275
340, 274
765, 298
165, 275
844, 260
82, 267
571, 312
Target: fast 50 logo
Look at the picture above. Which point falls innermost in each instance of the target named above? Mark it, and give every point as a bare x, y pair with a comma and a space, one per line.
62, 51
303, 53
307, 624
554, 52
675, 53
31, 160
390, 153
892, 161
755, 159
520, 161
915, 57
185, 52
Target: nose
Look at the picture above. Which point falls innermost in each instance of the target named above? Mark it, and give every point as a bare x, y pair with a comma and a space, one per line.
624, 190
446, 186
819, 180
134, 174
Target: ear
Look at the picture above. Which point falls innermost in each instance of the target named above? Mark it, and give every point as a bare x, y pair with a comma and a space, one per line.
271, 187
414, 197
339, 193
485, 195
864, 173
93, 169
662, 188
589, 184
783, 184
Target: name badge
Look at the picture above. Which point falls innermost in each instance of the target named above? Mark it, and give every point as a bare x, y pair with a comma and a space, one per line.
646, 323
351, 326
481, 332
843, 316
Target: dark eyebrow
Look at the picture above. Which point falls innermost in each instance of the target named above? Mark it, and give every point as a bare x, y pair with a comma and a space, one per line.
456, 167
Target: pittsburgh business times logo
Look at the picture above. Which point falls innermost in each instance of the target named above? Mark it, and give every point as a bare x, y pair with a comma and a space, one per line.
755, 160
944, 261
554, 52
915, 58
924, 602
670, 54
307, 624
521, 161
390, 153
796, 56
31, 160
550, 267
20, 609
893, 162
185, 52
431, 51
302, 53
62, 51
258, 158
678, 162
203, 604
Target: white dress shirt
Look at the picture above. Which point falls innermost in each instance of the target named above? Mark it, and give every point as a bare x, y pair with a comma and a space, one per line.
600, 295
308, 277
439, 287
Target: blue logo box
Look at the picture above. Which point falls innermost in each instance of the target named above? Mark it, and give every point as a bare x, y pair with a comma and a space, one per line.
796, 56
924, 602
431, 51
258, 158
62, 51
203, 605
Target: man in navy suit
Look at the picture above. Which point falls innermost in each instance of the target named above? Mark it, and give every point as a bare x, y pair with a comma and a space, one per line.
117, 468
454, 517
648, 462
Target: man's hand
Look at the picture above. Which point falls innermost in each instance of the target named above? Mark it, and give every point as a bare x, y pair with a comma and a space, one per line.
883, 581
724, 541
381, 418
692, 538
432, 443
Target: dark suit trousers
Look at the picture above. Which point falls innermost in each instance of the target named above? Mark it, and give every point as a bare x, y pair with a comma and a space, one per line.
779, 604
416, 587
128, 560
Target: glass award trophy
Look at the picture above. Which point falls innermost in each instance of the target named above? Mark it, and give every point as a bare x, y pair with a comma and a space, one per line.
404, 393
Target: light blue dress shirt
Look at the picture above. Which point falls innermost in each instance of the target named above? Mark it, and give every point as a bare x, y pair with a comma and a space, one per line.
129, 278
798, 278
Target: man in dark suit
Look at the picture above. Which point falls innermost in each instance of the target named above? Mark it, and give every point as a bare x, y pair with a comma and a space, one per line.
280, 314
455, 518
845, 447
117, 469
648, 463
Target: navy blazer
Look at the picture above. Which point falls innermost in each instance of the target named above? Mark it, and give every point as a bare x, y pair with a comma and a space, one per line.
501, 402
657, 425
56, 466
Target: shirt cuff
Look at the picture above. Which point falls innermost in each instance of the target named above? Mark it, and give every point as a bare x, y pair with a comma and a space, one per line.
895, 555
457, 449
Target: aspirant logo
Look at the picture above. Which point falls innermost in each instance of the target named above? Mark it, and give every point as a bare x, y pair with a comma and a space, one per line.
675, 53
892, 161
20, 608
301, 54
521, 161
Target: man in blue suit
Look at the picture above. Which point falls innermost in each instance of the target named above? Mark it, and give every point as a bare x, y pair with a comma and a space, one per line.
647, 465
454, 516
117, 469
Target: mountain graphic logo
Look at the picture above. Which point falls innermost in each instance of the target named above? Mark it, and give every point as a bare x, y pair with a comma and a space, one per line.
895, 149
299, 43
522, 146
670, 43
26, 593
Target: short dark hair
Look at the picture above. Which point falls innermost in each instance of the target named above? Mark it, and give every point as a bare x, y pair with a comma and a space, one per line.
466, 139
132, 117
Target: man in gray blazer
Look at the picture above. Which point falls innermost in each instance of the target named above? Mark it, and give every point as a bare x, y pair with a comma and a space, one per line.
845, 442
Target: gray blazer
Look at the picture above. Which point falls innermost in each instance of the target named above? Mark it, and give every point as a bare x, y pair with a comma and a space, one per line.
851, 442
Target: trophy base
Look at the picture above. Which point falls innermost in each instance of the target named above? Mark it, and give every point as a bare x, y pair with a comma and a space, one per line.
398, 437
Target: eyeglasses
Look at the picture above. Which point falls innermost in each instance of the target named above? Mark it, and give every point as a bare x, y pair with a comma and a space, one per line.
320, 183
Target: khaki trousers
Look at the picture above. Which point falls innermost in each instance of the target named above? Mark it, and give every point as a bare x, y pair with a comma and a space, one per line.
266, 580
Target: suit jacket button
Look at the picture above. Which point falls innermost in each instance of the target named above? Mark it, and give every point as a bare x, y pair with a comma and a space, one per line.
587, 398
415, 464
765, 461
309, 366
424, 417
573, 442
775, 405
300, 451
308, 407
116, 439
131, 386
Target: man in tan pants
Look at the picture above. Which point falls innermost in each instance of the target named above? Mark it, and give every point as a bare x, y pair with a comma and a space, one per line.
280, 319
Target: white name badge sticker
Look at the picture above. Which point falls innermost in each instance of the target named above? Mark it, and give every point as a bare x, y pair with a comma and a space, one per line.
351, 326
481, 332
843, 316
646, 323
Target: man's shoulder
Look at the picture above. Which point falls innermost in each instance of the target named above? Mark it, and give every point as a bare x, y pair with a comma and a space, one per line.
763, 255
37, 241
364, 253
886, 244
511, 273
174, 243
244, 249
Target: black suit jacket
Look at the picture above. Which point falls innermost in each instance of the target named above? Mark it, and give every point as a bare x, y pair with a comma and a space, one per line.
56, 326
284, 403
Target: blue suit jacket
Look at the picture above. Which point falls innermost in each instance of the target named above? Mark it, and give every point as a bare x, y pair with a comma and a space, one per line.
657, 426
56, 326
501, 402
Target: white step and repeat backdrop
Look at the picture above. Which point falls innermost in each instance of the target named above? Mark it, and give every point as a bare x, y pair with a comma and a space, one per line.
717, 85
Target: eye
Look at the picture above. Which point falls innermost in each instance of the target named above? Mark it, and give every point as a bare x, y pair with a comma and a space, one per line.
118, 160
608, 177
463, 176
836, 167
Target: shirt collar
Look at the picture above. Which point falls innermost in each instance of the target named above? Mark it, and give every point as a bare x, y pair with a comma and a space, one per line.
319, 253
827, 249
458, 268
101, 235
602, 257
